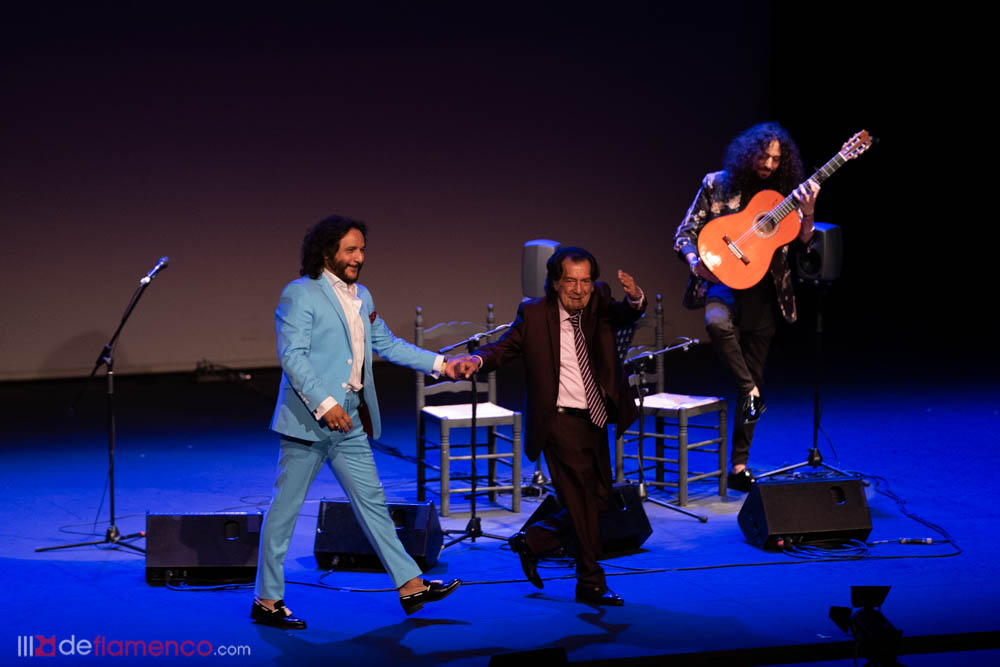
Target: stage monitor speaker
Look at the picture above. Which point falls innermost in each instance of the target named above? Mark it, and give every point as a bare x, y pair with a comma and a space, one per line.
341, 543
802, 511
533, 258
202, 548
624, 526
822, 260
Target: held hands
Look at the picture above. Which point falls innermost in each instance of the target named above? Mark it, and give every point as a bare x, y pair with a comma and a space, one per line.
338, 420
628, 282
461, 367
806, 195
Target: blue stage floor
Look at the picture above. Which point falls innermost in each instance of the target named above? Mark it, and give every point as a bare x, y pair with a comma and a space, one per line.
696, 593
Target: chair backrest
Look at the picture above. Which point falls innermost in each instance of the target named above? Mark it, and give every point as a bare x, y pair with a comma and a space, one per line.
447, 333
624, 338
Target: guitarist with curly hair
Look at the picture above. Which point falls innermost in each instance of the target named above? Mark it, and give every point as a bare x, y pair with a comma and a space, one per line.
740, 311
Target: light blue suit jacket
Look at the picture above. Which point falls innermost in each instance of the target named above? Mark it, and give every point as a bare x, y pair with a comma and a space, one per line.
314, 348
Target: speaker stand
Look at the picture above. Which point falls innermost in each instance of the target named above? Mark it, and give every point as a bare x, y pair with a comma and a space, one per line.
814, 459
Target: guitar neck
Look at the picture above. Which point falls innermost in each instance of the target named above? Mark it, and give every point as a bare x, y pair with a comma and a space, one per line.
790, 203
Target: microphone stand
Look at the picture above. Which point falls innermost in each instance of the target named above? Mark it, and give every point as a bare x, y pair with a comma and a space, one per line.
106, 358
640, 362
474, 528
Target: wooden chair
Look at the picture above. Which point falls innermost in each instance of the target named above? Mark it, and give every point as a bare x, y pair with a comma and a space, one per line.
452, 416
673, 415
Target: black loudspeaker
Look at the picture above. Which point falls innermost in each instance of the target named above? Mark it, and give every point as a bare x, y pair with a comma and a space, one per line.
822, 260
533, 258
624, 526
341, 543
202, 548
786, 513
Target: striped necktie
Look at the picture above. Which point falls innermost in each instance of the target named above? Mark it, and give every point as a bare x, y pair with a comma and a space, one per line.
595, 403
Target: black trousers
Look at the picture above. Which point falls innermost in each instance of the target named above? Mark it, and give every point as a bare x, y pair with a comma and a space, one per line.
741, 325
579, 466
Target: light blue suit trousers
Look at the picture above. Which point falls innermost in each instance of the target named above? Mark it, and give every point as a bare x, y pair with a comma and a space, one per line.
350, 458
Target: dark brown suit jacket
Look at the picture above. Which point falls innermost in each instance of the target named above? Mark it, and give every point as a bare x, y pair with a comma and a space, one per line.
534, 338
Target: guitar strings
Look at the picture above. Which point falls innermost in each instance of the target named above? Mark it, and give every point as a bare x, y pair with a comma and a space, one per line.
823, 173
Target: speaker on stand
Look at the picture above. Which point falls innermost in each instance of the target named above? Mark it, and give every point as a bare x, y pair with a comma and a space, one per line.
823, 259
534, 259
818, 265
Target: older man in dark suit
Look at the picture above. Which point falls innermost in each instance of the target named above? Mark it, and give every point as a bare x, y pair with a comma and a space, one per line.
576, 387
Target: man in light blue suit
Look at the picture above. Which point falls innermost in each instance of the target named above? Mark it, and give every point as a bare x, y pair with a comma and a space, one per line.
327, 330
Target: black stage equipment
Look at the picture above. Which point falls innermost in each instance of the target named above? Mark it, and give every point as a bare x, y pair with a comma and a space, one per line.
782, 513
202, 548
624, 526
340, 542
533, 259
824, 257
106, 358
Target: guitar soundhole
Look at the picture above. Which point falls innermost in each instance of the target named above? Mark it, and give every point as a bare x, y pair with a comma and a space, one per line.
764, 226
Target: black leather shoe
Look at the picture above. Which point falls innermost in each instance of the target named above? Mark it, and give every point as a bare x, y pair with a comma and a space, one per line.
751, 408
529, 562
281, 617
435, 591
598, 595
740, 481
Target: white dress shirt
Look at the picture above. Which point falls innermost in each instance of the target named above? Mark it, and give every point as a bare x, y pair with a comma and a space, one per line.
347, 294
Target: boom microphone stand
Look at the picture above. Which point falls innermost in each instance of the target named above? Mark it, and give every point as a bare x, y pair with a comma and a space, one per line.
106, 358
474, 528
639, 362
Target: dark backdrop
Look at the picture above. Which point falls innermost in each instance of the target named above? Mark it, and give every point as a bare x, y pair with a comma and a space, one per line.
217, 136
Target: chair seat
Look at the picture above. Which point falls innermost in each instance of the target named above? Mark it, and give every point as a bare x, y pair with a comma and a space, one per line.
463, 411
676, 401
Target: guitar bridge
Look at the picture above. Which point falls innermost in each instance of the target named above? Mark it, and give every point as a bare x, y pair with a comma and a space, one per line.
736, 251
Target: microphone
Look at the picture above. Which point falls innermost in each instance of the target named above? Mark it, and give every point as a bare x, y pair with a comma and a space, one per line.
160, 265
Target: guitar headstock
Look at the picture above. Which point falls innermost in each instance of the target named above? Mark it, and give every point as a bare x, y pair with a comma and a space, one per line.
856, 145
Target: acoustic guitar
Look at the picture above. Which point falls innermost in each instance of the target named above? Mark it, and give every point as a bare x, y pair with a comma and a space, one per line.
738, 247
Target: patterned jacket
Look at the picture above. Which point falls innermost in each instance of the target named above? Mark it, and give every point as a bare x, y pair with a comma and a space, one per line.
710, 203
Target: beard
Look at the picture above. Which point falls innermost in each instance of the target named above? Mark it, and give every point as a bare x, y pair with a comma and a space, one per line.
349, 272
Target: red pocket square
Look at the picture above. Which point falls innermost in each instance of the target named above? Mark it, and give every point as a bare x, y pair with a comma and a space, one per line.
371, 318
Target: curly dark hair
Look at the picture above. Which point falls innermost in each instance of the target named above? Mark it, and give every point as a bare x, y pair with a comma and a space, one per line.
748, 147
322, 239
554, 266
